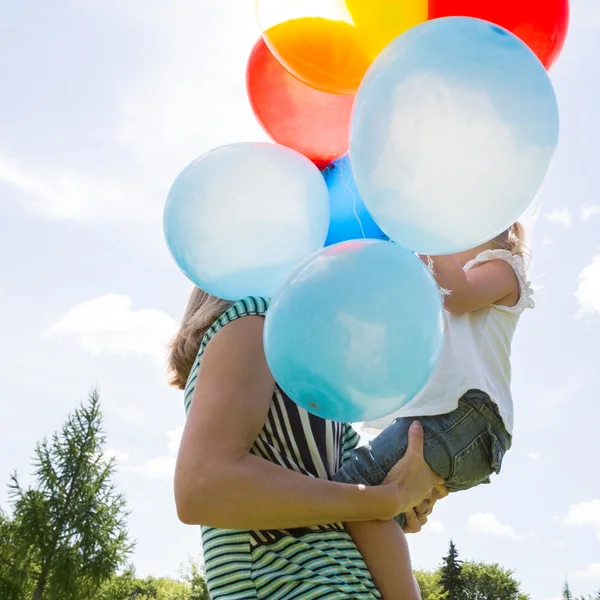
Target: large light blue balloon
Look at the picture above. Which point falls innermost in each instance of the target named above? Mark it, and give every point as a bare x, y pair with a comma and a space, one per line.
356, 331
240, 218
453, 132
350, 219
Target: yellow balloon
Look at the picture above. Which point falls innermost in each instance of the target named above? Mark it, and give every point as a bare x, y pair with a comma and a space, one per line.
330, 44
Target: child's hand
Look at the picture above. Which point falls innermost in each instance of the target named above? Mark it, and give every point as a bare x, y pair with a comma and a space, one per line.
417, 517
411, 479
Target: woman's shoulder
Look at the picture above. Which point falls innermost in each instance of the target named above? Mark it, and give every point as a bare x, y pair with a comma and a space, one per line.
246, 307
249, 306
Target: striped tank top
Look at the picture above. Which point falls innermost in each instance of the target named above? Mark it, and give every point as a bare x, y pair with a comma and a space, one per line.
314, 563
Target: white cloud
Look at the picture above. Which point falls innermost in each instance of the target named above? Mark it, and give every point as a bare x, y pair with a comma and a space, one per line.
488, 524
560, 217
110, 454
59, 193
588, 211
110, 325
585, 514
163, 467
590, 572
117, 455
533, 456
435, 526
588, 290
174, 440
187, 97
167, 117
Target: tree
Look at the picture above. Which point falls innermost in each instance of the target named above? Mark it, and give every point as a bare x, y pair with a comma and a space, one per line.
451, 574
430, 584
485, 582
127, 587
567, 595
195, 577
68, 531
596, 596
14, 561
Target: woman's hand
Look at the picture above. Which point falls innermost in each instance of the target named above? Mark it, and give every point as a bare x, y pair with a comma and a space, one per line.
219, 483
411, 481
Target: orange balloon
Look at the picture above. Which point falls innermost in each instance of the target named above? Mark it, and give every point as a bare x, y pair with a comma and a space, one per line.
330, 44
327, 55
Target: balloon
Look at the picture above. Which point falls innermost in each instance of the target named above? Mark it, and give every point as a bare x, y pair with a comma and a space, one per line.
314, 123
350, 219
453, 132
356, 330
541, 25
329, 44
241, 217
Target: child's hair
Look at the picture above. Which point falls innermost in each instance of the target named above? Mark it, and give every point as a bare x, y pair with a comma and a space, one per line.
201, 312
514, 239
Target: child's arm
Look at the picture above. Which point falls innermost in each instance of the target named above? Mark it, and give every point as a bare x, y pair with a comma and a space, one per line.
385, 551
482, 286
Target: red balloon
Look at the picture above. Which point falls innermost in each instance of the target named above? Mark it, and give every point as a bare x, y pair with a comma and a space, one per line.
295, 115
541, 24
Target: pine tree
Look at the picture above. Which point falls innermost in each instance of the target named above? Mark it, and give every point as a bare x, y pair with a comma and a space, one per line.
68, 530
567, 595
451, 574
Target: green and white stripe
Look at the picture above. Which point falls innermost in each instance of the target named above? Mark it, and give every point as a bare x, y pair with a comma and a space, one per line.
316, 563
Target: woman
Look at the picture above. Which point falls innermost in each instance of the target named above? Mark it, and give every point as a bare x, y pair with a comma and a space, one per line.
254, 470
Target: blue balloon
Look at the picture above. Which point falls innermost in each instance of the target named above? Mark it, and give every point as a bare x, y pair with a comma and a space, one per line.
453, 132
350, 218
356, 331
240, 218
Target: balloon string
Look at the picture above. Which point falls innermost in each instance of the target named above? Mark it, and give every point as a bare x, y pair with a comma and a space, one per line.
353, 193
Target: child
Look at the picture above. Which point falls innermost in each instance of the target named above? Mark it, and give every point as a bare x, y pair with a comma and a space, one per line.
466, 408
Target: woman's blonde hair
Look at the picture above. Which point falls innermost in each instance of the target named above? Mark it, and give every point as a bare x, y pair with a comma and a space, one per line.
514, 239
201, 312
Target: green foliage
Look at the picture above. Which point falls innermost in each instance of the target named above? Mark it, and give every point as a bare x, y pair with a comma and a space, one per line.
456, 580
430, 584
15, 561
567, 595
67, 534
451, 574
486, 582
195, 577
127, 587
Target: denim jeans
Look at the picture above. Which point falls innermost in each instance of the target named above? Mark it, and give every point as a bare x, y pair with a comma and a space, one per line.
464, 447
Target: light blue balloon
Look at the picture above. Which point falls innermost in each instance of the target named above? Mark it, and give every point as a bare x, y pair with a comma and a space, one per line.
356, 331
350, 218
241, 217
453, 132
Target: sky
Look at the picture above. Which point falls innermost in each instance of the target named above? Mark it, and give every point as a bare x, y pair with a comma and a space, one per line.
103, 103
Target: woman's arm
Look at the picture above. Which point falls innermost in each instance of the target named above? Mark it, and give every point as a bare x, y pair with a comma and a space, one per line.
482, 286
219, 483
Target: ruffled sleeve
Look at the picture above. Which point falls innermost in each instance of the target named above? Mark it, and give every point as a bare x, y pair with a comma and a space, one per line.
517, 263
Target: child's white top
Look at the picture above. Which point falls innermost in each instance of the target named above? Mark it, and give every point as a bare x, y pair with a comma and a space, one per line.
475, 355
